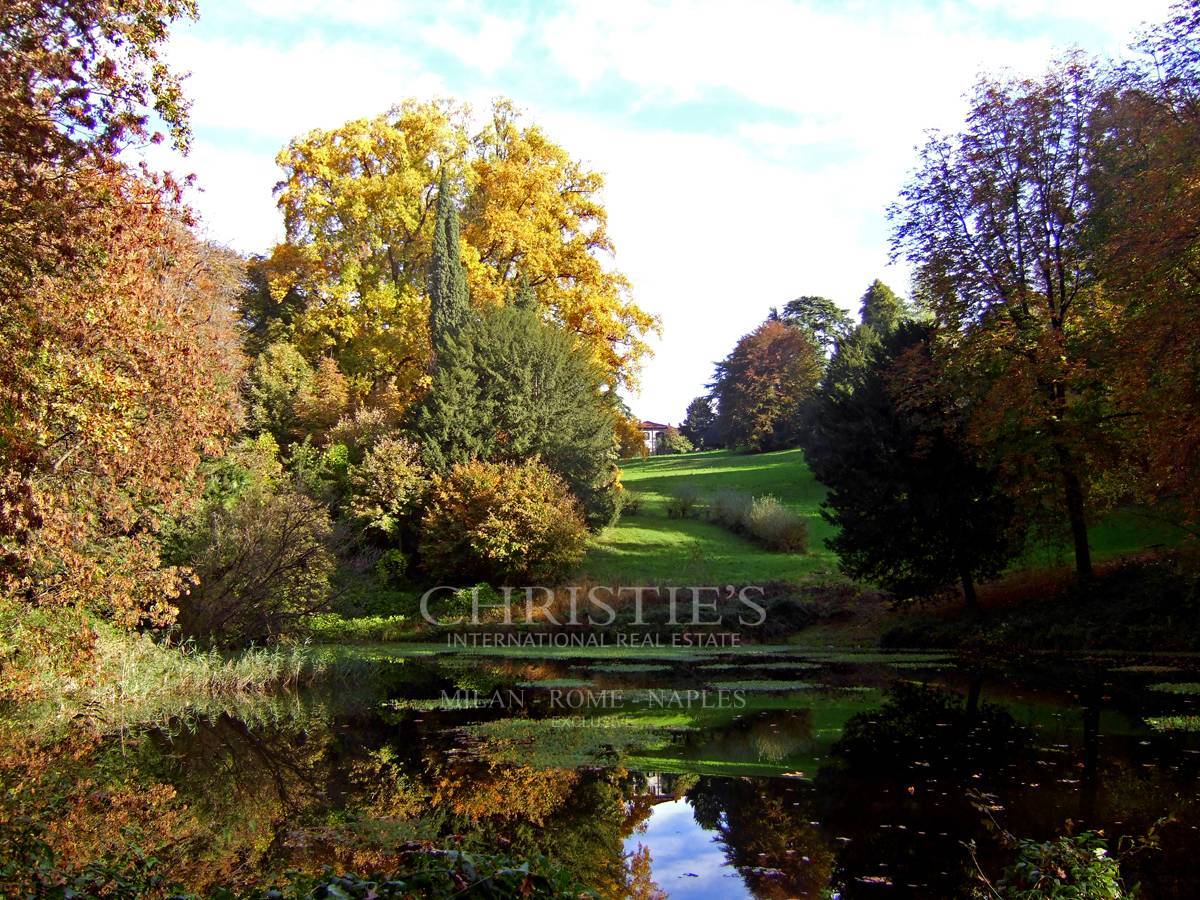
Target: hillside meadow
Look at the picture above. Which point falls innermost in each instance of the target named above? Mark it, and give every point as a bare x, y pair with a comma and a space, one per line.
651, 547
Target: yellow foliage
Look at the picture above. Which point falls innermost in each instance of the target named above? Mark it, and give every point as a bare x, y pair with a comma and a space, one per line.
358, 205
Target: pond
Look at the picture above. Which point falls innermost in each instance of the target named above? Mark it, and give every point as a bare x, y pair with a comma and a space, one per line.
737, 772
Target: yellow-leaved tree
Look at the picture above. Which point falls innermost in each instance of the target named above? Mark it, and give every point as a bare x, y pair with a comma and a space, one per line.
358, 203
534, 216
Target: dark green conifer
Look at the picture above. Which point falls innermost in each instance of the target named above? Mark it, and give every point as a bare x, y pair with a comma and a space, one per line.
882, 309
449, 303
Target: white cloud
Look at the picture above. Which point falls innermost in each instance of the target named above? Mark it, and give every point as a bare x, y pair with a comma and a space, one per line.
487, 47
275, 93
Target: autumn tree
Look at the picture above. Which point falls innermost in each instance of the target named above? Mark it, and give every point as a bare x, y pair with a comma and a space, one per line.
631, 443
761, 386
1148, 189
914, 510
80, 81
535, 215
106, 425
993, 223
360, 206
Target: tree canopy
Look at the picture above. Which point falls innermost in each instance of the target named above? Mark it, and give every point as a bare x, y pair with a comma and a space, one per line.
760, 388
914, 510
509, 387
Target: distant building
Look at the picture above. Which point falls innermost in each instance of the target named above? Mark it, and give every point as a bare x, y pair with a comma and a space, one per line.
654, 435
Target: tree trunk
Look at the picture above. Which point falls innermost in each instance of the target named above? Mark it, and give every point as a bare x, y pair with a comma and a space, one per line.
969, 598
1073, 492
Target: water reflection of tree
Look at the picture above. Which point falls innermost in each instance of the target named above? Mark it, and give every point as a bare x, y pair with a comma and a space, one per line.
765, 830
225, 803
895, 796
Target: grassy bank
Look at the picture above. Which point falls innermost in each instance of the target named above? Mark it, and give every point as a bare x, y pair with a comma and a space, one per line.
650, 548
62, 666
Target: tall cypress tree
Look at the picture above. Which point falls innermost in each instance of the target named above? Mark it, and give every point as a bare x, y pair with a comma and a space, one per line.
449, 304
882, 309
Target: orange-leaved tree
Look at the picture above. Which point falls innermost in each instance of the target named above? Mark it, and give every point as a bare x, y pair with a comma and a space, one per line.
116, 377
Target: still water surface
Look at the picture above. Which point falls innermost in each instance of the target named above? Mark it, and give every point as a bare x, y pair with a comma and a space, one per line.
773, 773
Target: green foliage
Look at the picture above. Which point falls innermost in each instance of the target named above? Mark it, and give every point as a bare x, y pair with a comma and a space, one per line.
631, 503
279, 377
700, 424
449, 303
673, 441
1174, 723
684, 502
881, 309
1185, 687
1072, 867
331, 628
508, 388
502, 523
323, 474
822, 321
388, 487
915, 512
262, 565
392, 567
252, 464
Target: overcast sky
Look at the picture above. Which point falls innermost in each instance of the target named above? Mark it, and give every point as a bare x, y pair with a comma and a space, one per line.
750, 148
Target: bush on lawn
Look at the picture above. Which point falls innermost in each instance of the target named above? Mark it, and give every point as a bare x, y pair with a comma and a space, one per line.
502, 523
776, 527
683, 503
675, 442
730, 508
631, 503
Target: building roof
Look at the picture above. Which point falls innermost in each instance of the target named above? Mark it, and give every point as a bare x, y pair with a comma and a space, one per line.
653, 426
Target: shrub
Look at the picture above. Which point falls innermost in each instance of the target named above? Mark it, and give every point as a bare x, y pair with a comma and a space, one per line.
387, 489
510, 387
392, 567
279, 377
776, 527
262, 565
321, 473
675, 442
730, 509
683, 502
631, 503
1071, 866
500, 522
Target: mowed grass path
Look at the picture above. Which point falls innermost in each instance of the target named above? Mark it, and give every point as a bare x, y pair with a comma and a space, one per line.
650, 548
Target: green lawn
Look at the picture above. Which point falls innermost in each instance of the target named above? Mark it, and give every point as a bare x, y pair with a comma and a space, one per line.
650, 548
